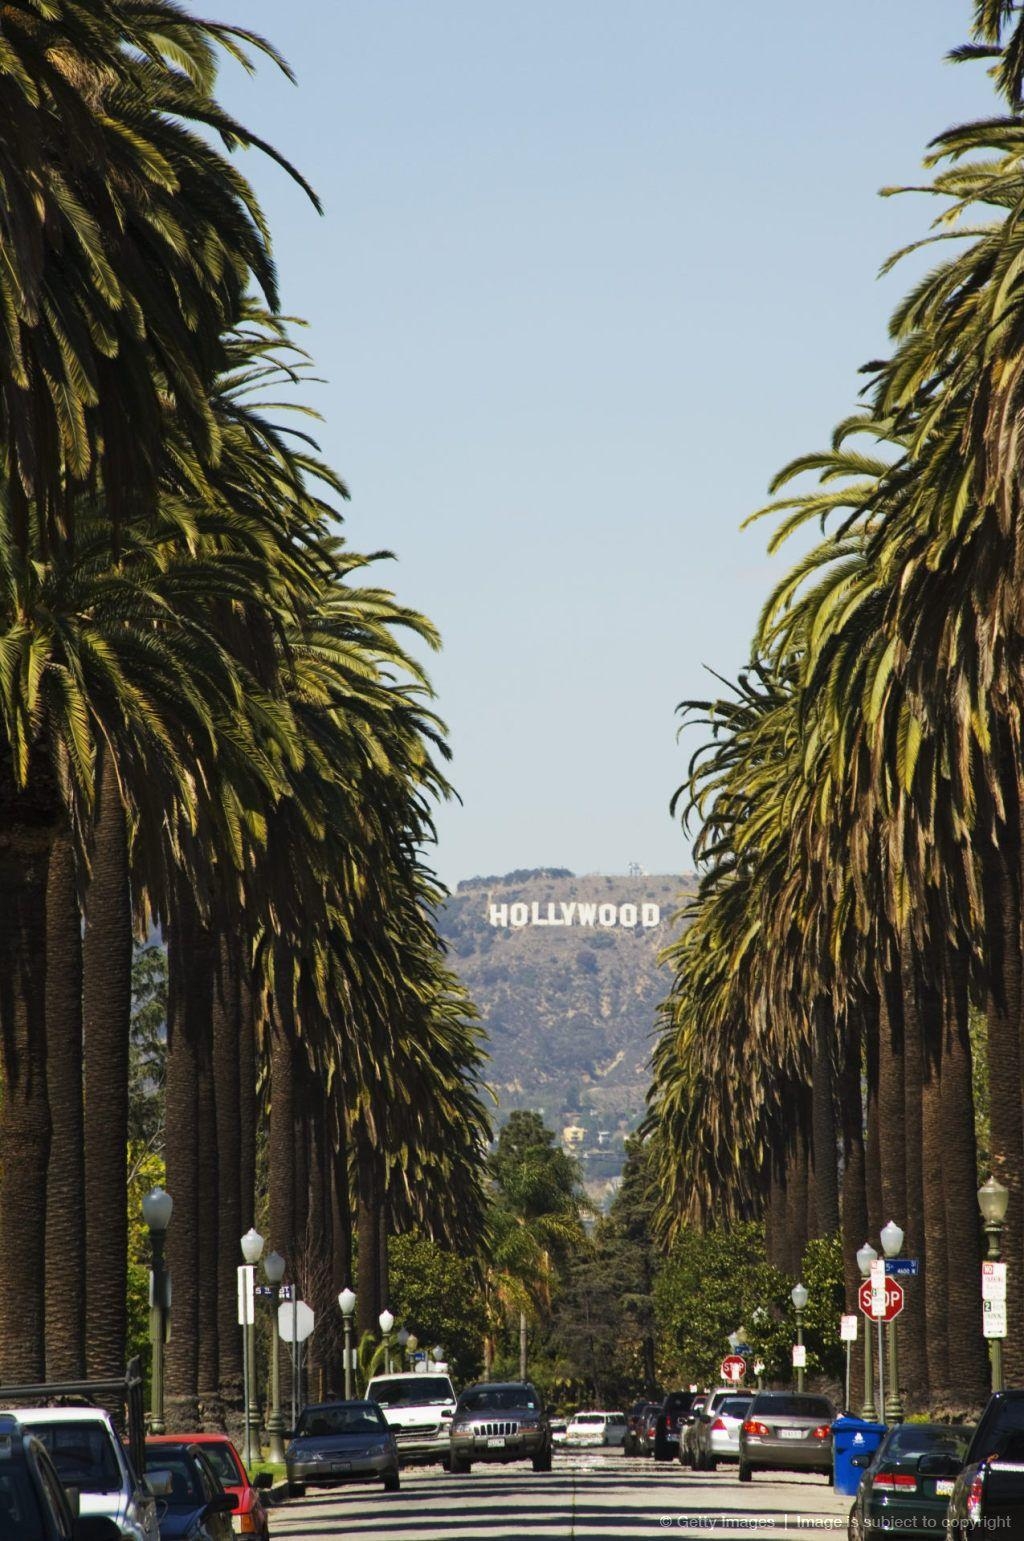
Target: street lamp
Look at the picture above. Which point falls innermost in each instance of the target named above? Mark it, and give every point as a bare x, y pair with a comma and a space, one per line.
156, 1212
437, 1353
273, 1267
252, 1251
892, 1241
865, 1257
798, 1295
347, 1303
993, 1200
387, 1322
403, 1341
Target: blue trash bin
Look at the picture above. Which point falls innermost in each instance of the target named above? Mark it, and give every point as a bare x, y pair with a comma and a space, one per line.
850, 1437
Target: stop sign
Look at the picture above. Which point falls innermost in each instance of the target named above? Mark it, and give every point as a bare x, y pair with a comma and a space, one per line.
295, 1321
893, 1299
734, 1367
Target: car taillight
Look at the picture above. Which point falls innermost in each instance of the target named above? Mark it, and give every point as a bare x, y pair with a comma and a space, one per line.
822, 1431
718, 1427
974, 1497
652, 1430
751, 1426
896, 1481
246, 1524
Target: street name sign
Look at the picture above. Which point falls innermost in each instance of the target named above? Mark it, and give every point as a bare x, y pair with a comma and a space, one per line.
902, 1267
892, 1301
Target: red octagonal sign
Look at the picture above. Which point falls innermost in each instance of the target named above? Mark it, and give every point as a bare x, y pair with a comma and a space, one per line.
893, 1300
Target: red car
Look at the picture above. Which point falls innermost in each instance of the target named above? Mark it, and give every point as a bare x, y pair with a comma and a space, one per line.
250, 1516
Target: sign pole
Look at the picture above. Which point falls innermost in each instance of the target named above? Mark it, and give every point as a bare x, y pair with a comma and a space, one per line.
881, 1375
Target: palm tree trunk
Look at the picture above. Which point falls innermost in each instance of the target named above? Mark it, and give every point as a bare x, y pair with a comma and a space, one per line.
281, 1154
826, 1173
936, 1265
854, 1204
228, 1227
368, 1305
248, 1002
918, 998
872, 1125
1004, 1014
65, 1179
182, 1159
211, 1409
891, 1110
967, 1359
28, 823
796, 1201
106, 1014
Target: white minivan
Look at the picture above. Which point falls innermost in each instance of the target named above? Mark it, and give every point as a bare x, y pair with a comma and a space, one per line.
597, 1428
418, 1409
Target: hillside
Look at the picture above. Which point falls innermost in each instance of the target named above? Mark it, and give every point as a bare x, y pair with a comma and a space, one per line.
564, 971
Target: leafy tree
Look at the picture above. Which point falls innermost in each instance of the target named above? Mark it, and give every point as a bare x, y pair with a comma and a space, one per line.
436, 1295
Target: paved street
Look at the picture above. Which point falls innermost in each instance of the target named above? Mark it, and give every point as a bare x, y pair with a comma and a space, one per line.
597, 1496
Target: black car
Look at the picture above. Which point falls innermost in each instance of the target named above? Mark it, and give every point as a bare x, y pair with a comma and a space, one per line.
34, 1505
500, 1421
988, 1490
895, 1493
676, 1411
191, 1502
337, 1442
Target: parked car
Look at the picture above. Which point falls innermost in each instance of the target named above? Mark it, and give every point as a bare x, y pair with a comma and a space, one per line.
988, 1490
688, 1433
418, 1410
715, 1434
250, 1516
85, 1449
559, 1430
597, 1428
34, 1505
635, 1425
336, 1442
193, 1505
500, 1421
676, 1411
895, 1494
786, 1431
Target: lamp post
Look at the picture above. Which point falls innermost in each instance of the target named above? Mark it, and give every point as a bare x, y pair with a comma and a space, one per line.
437, 1354
252, 1251
156, 1212
402, 1336
892, 1241
347, 1303
273, 1267
387, 1322
993, 1200
865, 1257
798, 1295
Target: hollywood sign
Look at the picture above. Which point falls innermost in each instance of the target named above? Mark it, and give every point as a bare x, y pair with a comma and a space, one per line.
576, 914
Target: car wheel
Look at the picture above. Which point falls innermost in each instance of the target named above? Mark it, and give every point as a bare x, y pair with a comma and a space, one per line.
296, 1490
460, 1465
744, 1472
661, 1450
830, 1478
542, 1462
392, 1482
711, 1464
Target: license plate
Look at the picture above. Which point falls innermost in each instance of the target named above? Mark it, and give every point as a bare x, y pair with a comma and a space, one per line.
495, 1444
341, 1465
943, 1487
791, 1433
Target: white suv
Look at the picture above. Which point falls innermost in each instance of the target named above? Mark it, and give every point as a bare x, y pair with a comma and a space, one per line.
418, 1409
84, 1447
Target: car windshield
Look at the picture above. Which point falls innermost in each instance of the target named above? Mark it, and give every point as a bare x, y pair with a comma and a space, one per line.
588, 1418
424, 1389
324, 1422
502, 1400
82, 1453
919, 1439
779, 1405
20, 1519
679, 1402
223, 1463
186, 1485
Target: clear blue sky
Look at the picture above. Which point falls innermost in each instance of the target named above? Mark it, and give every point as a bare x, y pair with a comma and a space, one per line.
589, 273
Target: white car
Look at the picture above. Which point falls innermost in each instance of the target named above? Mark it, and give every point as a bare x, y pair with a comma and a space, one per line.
84, 1447
418, 1409
597, 1428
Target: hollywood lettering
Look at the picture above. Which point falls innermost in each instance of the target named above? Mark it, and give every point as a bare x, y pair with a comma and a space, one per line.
575, 913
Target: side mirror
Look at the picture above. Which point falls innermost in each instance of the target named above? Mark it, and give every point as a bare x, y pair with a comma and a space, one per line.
263, 1481
939, 1464
74, 1498
446, 1412
223, 1503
